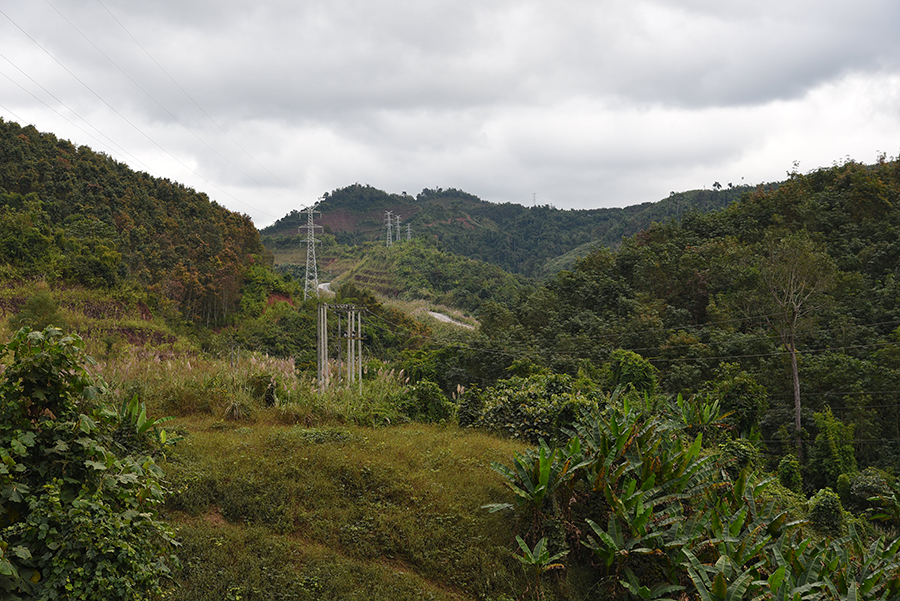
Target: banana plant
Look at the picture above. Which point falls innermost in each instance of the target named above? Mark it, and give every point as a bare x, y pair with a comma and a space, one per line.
723, 581
539, 560
133, 416
657, 592
615, 544
536, 475
861, 571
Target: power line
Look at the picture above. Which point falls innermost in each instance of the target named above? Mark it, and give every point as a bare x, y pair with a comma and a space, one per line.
119, 114
67, 107
199, 107
158, 103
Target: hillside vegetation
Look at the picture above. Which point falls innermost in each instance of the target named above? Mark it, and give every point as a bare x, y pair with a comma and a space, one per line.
707, 410
68, 213
519, 239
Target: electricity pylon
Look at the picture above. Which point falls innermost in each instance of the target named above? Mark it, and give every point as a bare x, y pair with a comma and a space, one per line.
312, 271
390, 227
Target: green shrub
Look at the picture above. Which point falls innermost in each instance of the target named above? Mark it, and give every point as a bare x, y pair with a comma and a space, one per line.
825, 512
741, 454
832, 452
425, 402
869, 483
843, 488
39, 311
79, 516
538, 407
789, 473
629, 370
264, 387
471, 405
739, 394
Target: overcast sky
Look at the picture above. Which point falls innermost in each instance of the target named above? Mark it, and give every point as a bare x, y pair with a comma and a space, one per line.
265, 105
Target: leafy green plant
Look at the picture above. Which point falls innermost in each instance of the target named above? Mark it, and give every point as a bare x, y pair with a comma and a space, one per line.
77, 520
724, 581
789, 473
825, 511
535, 477
139, 432
832, 452
629, 370
40, 311
540, 406
425, 402
539, 560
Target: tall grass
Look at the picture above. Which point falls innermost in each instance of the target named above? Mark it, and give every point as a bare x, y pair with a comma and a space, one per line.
250, 387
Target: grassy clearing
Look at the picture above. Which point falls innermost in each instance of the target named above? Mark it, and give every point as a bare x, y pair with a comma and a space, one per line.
356, 512
279, 491
305, 499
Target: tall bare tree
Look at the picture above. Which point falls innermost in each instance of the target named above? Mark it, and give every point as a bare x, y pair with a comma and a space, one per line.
795, 275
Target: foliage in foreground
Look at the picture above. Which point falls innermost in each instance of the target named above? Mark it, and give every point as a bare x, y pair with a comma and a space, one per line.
635, 497
78, 514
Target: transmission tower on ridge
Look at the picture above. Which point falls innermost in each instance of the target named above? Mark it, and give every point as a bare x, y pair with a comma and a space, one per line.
390, 227
408, 233
398, 228
312, 271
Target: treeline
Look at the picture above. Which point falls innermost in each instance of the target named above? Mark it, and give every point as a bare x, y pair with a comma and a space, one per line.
419, 270
70, 213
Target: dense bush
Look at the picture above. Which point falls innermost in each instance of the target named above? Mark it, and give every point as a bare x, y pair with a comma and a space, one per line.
832, 452
825, 511
78, 514
662, 521
629, 370
39, 311
425, 402
789, 473
538, 407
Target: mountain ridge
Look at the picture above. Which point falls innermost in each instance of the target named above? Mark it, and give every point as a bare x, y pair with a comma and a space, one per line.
520, 239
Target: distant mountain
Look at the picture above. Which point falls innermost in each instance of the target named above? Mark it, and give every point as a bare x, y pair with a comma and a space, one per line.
532, 241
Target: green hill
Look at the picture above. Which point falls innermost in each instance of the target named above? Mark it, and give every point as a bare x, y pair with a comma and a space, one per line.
525, 240
624, 430
69, 213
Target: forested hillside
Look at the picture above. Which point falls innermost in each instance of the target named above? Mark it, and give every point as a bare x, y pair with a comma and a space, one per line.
70, 213
784, 306
523, 240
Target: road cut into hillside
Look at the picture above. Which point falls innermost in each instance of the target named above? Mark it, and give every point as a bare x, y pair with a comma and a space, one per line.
448, 319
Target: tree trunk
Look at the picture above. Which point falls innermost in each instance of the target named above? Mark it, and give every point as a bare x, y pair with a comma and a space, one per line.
797, 424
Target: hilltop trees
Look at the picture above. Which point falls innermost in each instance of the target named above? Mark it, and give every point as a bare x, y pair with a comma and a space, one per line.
73, 214
794, 288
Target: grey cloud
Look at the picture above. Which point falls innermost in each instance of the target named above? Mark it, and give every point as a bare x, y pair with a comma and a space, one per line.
584, 102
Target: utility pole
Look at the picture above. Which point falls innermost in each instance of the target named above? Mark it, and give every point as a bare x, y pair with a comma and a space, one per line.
312, 271
353, 335
390, 227
398, 228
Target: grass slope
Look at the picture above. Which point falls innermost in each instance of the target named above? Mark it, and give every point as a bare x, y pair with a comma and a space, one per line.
268, 511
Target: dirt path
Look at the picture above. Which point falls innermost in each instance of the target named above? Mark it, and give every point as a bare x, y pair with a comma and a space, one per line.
448, 319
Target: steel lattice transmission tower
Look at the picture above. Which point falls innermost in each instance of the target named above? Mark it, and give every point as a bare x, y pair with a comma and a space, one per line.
390, 227
312, 271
